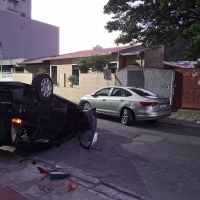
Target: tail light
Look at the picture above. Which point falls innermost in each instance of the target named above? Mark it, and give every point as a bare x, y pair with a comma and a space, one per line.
16, 121
145, 104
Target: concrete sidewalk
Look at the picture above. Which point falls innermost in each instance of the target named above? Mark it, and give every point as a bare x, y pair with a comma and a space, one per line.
6, 193
81, 193
22, 181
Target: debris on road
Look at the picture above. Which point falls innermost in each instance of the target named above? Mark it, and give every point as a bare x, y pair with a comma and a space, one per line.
71, 186
8, 148
58, 175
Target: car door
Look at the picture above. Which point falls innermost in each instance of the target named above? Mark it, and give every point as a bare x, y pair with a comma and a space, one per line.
99, 100
117, 99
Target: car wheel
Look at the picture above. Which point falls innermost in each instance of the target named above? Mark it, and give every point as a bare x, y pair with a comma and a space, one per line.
44, 86
86, 106
126, 116
86, 138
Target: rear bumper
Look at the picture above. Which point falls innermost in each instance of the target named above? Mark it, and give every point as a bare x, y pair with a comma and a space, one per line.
153, 115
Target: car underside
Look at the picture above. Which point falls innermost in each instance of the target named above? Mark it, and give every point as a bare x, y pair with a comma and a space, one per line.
32, 113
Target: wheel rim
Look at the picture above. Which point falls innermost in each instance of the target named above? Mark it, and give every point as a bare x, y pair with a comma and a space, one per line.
13, 134
87, 106
46, 87
124, 117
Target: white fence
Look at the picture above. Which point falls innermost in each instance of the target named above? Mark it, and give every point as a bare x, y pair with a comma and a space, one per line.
21, 77
6, 77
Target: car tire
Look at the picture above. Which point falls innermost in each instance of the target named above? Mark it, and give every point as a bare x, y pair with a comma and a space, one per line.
86, 106
44, 86
86, 138
126, 116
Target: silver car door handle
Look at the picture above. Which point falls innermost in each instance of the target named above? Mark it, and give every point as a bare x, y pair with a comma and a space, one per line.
104, 100
122, 100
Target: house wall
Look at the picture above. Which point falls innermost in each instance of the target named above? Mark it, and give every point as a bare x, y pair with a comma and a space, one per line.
89, 82
154, 57
130, 76
23, 77
159, 81
63, 70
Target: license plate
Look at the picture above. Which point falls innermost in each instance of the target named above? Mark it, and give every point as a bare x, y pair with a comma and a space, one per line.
163, 106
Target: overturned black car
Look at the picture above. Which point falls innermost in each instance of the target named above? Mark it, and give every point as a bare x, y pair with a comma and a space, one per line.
31, 113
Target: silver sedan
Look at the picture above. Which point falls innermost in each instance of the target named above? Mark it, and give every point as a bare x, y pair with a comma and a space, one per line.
128, 103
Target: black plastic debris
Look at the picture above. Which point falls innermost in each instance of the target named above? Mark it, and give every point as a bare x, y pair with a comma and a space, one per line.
58, 175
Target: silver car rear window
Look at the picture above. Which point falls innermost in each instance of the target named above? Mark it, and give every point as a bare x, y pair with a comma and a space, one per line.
143, 93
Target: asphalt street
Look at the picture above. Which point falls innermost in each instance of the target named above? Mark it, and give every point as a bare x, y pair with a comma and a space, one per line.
143, 161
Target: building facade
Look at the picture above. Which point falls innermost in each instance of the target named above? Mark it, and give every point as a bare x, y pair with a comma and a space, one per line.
18, 7
23, 38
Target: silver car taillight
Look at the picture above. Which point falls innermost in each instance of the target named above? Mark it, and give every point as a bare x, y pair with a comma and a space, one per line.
145, 104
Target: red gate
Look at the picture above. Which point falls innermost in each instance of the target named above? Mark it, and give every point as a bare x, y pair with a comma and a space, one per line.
187, 90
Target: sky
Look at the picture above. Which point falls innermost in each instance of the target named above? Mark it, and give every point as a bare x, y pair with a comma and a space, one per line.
81, 22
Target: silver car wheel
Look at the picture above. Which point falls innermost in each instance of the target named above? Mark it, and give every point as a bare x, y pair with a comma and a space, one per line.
124, 117
127, 116
46, 87
86, 106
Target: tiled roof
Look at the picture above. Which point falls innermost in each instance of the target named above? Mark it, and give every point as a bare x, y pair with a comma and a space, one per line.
92, 52
36, 60
181, 64
86, 53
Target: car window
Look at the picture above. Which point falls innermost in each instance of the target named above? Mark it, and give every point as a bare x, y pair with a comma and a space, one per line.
143, 93
103, 92
119, 92
150, 93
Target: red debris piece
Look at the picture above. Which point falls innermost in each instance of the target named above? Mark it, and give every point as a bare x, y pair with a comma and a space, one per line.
72, 186
43, 171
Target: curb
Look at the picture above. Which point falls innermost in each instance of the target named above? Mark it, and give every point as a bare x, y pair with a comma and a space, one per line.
94, 184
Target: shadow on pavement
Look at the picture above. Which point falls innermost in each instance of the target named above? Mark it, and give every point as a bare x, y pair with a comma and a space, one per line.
160, 125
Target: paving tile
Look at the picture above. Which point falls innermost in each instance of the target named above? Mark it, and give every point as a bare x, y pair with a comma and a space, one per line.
7, 193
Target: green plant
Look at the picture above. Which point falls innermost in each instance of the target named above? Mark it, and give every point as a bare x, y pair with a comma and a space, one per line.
84, 65
96, 63
73, 79
41, 70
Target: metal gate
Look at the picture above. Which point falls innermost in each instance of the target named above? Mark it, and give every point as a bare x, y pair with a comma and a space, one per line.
187, 90
178, 84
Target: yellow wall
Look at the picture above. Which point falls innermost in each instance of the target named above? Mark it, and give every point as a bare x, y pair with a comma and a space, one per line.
89, 82
61, 71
